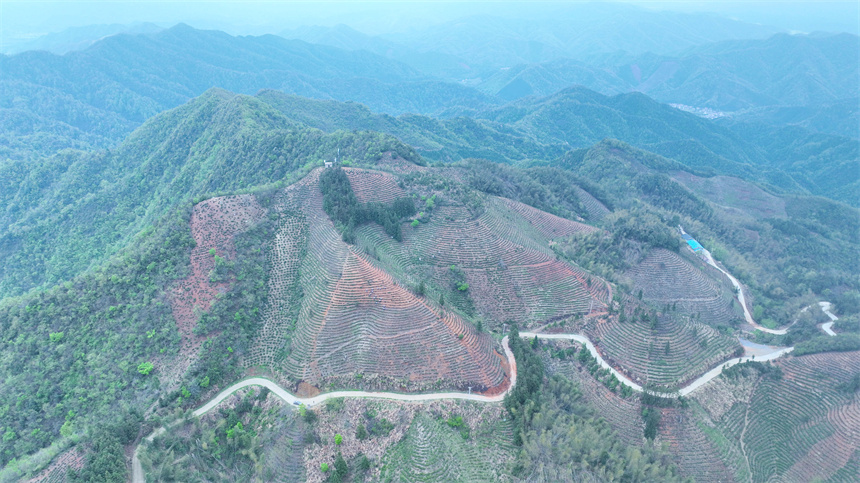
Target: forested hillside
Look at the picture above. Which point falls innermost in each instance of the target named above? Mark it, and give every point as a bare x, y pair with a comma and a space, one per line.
76, 207
50, 104
789, 159
92, 98
732, 75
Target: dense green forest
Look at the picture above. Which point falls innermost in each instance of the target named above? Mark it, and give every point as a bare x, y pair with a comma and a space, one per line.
78, 351
789, 159
55, 224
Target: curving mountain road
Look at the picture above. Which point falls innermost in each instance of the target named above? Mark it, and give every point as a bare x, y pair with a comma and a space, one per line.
741, 299
137, 475
137, 469
697, 383
827, 326
585, 340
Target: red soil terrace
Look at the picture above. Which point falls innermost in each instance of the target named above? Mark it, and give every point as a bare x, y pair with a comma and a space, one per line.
372, 325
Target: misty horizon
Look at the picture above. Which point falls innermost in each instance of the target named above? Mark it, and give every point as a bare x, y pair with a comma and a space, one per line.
23, 23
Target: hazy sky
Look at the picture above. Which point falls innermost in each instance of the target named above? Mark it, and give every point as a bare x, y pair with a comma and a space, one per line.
28, 19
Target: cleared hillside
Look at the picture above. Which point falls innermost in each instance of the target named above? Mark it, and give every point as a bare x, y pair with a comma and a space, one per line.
498, 247
690, 287
794, 419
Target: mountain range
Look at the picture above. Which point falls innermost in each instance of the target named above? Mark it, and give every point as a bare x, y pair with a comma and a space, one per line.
733, 75
433, 255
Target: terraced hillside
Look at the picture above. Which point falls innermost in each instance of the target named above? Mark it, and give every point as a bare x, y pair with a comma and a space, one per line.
623, 414
340, 315
501, 250
806, 414
666, 349
334, 316
797, 422
687, 439
734, 194
691, 287
433, 450
374, 186
678, 430
255, 436
134, 302
58, 469
596, 209
251, 436
356, 320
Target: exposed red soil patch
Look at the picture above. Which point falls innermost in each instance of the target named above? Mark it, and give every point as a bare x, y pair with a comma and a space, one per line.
372, 325
307, 390
506, 383
214, 223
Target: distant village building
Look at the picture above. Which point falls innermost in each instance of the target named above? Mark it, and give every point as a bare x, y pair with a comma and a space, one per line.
328, 164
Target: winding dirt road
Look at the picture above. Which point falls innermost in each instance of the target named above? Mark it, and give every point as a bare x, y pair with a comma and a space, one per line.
137, 475
137, 469
827, 327
709, 259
